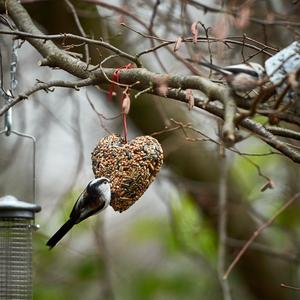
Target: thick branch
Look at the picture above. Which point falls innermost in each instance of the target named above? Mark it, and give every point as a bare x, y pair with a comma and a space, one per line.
284, 132
139, 78
55, 57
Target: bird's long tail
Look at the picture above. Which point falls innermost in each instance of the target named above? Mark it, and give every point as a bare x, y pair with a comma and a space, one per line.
210, 66
60, 233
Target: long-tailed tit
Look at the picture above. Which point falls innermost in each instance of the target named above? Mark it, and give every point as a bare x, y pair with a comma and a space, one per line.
241, 77
95, 198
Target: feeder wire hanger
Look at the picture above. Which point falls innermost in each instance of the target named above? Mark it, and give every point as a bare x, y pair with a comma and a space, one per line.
8, 96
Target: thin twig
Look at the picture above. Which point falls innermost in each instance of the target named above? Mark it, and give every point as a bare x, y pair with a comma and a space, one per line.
290, 287
100, 116
105, 258
235, 12
80, 28
66, 36
267, 250
46, 86
229, 40
157, 3
257, 232
222, 227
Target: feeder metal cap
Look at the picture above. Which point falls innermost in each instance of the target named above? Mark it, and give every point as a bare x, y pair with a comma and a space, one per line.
11, 207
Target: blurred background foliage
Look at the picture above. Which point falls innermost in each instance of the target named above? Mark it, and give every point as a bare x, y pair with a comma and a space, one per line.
166, 245
169, 256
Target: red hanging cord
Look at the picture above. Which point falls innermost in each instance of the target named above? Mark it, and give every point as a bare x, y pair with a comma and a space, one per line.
116, 78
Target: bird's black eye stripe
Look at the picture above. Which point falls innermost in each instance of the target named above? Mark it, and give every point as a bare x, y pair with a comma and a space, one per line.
95, 183
103, 180
239, 70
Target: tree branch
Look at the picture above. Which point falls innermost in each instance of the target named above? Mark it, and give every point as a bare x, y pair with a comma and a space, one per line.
45, 86
141, 78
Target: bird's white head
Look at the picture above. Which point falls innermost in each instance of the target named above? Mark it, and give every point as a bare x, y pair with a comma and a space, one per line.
100, 186
258, 68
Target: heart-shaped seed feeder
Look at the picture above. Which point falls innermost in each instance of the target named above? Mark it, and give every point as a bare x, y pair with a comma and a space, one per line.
131, 167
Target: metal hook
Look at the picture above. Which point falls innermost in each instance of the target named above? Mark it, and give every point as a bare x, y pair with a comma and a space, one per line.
32, 138
8, 114
8, 122
8, 95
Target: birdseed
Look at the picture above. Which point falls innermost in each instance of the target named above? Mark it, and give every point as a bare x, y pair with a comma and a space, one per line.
131, 167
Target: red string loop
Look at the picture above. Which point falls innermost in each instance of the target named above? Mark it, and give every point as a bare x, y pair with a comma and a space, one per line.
116, 78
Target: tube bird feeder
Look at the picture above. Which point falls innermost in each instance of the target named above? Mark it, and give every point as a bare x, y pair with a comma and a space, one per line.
16, 226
